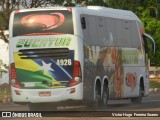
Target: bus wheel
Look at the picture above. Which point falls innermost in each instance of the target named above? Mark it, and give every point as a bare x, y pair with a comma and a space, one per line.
138, 100
105, 96
97, 100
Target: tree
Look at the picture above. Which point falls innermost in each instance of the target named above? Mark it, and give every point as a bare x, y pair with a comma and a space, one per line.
6, 6
96, 2
149, 13
69, 3
40, 3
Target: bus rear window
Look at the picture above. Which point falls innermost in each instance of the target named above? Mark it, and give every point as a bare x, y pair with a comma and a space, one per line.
48, 22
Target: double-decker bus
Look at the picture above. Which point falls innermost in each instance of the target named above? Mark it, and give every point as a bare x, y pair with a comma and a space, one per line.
91, 54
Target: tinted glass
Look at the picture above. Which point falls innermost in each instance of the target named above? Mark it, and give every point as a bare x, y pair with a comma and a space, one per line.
43, 23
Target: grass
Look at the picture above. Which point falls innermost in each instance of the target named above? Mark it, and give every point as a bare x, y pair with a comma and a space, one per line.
154, 83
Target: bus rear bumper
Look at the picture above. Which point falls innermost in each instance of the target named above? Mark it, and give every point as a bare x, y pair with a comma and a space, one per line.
47, 95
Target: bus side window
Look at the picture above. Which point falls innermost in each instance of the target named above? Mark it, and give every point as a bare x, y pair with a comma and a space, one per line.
83, 22
112, 32
135, 36
92, 30
127, 34
119, 33
101, 31
145, 44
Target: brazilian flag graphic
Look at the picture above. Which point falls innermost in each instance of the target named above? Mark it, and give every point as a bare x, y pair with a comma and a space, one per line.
43, 73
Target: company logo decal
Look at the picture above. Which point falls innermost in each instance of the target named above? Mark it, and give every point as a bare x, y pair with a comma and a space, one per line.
44, 21
43, 42
131, 79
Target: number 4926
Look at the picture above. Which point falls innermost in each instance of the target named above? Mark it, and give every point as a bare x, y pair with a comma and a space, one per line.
64, 62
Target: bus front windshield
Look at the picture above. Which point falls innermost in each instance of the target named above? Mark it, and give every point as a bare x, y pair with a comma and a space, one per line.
48, 22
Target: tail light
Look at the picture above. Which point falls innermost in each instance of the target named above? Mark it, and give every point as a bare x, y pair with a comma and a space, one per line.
77, 75
14, 82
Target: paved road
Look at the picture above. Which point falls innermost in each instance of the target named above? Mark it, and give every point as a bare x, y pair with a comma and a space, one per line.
150, 105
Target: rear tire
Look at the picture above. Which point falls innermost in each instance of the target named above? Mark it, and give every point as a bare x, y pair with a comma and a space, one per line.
97, 101
105, 96
138, 100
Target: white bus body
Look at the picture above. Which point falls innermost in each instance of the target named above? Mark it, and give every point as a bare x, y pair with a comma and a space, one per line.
78, 53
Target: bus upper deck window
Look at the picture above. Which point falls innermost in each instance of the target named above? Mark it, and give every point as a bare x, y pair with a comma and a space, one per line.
83, 22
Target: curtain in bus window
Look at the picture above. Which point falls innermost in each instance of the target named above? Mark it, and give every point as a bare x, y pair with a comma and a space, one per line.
101, 30
119, 33
112, 34
93, 30
127, 33
108, 34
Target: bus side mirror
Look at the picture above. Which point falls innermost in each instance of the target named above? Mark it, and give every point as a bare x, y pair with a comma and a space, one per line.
83, 22
151, 41
145, 44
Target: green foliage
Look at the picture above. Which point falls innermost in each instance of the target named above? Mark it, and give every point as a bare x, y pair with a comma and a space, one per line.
97, 2
154, 84
59, 2
149, 15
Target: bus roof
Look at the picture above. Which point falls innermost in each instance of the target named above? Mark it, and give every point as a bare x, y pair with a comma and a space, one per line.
94, 10
110, 12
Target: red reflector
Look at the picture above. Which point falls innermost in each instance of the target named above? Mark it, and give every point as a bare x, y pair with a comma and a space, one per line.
17, 92
73, 90
13, 71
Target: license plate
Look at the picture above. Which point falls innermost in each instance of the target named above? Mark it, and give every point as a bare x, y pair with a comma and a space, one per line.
43, 94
